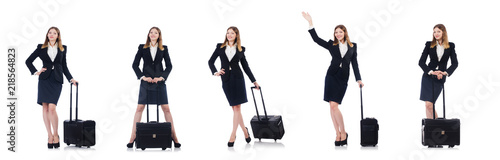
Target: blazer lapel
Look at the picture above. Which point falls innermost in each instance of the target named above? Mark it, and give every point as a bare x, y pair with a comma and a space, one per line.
157, 54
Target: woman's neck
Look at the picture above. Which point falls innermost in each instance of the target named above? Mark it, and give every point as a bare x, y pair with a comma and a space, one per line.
153, 43
231, 43
52, 43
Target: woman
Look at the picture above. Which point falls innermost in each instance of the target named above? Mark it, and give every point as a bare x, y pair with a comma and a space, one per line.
50, 79
439, 51
231, 53
153, 77
343, 53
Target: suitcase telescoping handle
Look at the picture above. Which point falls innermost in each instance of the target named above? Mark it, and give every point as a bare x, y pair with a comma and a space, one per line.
255, 102
361, 96
433, 104
157, 104
71, 102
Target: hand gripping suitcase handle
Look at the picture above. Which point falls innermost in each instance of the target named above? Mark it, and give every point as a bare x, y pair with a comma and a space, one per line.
71, 102
255, 102
157, 104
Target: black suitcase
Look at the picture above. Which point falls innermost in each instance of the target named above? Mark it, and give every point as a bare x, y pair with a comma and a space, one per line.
78, 132
440, 131
268, 127
369, 128
154, 134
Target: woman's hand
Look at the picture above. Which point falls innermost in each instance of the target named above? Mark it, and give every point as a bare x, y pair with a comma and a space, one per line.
147, 79
40, 72
308, 18
256, 85
361, 84
220, 73
157, 79
74, 82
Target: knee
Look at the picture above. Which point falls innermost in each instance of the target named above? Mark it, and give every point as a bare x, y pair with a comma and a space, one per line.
334, 106
140, 108
165, 108
237, 108
51, 108
428, 105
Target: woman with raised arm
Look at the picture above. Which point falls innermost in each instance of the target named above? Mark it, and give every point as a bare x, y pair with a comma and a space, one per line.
344, 53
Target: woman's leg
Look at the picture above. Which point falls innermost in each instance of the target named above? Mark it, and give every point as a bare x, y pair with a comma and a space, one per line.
334, 106
429, 110
240, 121
137, 118
53, 119
236, 121
168, 118
335, 123
46, 121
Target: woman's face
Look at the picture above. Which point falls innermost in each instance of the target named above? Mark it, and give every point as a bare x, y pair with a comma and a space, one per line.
438, 34
154, 34
339, 34
52, 35
230, 35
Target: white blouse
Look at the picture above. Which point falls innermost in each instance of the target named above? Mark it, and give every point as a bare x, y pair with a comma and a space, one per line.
52, 52
153, 50
440, 51
343, 50
230, 51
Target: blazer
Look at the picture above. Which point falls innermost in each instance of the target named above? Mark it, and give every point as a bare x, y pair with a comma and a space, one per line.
232, 64
58, 67
152, 67
349, 58
434, 62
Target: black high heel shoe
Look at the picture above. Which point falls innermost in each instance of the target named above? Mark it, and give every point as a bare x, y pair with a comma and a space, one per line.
57, 145
50, 145
337, 143
130, 145
248, 139
231, 144
344, 142
176, 145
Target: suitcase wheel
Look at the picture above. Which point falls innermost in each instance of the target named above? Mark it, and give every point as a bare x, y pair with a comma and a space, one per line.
88, 146
259, 139
163, 148
79, 146
274, 140
143, 149
451, 146
67, 144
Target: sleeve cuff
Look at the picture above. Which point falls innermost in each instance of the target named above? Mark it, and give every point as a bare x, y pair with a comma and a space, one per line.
430, 72
141, 78
215, 73
311, 27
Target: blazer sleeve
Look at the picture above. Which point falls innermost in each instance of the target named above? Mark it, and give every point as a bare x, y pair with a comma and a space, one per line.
354, 63
318, 40
168, 63
246, 68
454, 61
65, 65
31, 58
423, 58
137, 60
212, 59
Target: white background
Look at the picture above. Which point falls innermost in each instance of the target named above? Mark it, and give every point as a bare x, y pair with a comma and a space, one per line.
102, 39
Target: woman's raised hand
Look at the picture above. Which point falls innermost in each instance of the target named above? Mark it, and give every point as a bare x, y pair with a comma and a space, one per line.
308, 18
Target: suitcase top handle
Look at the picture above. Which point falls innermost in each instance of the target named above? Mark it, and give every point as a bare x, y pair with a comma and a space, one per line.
71, 102
263, 104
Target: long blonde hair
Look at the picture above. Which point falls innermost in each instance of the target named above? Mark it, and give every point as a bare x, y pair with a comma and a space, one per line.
346, 36
444, 38
59, 41
159, 41
237, 40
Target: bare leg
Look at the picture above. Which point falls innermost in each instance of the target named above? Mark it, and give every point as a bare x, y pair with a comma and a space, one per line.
240, 121
137, 118
46, 121
54, 121
236, 121
335, 123
334, 106
428, 110
168, 118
